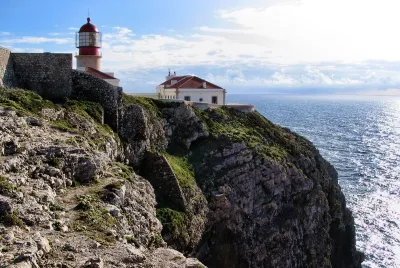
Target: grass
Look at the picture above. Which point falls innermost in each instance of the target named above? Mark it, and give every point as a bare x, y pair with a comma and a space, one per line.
267, 139
24, 101
154, 241
132, 240
150, 105
6, 188
94, 220
86, 109
125, 172
63, 125
173, 223
117, 185
10, 219
183, 171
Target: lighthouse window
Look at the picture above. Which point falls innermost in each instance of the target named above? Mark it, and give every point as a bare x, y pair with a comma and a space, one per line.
89, 39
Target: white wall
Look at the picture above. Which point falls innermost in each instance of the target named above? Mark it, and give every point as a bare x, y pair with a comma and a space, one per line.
88, 61
114, 82
166, 93
204, 94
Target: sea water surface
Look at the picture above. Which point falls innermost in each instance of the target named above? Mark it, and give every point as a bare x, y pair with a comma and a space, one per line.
360, 136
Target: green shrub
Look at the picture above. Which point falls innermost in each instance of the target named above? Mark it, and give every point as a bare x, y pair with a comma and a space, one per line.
6, 188
24, 101
132, 240
173, 221
10, 219
86, 109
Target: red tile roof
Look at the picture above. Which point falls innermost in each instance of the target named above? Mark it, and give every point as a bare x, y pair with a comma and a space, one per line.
99, 74
189, 81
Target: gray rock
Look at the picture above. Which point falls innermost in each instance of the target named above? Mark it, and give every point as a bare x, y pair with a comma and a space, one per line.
9, 148
33, 121
5, 205
94, 263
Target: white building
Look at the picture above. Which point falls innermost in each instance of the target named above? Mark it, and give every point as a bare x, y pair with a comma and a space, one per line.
191, 88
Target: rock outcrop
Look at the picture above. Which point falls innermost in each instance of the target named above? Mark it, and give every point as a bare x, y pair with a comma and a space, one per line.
228, 188
65, 200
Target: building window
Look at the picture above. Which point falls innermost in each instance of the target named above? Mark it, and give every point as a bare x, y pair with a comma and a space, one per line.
201, 100
187, 98
214, 99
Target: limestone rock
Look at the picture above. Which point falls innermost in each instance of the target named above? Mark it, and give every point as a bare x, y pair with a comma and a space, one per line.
94, 263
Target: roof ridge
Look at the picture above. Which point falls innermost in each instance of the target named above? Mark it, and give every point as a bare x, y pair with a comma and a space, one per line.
106, 76
186, 81
165, 82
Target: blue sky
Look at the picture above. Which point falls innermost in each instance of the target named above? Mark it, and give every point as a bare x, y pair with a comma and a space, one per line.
253, 46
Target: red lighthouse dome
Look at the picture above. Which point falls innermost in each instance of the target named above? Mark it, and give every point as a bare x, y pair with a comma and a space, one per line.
88, 39
88, 27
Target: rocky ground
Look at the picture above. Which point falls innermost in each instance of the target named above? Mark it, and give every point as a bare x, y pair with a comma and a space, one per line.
65, 201
170, 185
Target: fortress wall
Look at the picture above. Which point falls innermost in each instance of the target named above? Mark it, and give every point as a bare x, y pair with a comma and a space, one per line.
7, 76
90, 88
47, 74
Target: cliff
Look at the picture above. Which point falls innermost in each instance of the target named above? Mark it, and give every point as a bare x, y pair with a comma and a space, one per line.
223, 187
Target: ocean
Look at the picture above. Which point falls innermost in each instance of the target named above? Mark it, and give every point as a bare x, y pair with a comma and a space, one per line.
360, 136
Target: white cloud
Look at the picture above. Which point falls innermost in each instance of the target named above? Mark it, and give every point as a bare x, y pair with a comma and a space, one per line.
5, 33
322, 30
37, 40
305, 43
26, 50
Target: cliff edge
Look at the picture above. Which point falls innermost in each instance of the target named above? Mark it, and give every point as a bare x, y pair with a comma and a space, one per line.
171, 187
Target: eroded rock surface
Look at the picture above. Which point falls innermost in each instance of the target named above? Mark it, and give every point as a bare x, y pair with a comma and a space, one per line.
231, 189
65, 201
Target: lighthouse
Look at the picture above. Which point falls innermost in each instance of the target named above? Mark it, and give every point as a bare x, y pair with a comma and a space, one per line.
88, 40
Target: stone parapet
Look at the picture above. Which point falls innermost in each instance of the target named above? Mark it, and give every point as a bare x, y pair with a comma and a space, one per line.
90, 88
7, 75
48, 74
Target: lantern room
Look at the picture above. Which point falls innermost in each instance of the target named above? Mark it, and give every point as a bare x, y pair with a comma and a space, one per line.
88, 39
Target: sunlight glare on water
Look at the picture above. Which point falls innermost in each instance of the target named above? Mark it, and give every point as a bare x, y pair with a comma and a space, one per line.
361, 138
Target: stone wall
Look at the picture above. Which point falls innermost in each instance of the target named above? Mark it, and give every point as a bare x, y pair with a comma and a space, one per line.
7, 76
47, 74
90, 88
166, 186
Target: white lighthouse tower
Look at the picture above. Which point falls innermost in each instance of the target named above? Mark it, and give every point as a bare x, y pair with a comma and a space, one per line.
88, 40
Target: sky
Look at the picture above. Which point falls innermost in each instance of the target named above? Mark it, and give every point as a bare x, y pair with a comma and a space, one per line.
245, 46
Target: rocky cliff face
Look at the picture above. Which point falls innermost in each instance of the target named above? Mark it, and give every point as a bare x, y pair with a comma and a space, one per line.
231, 189
65, 200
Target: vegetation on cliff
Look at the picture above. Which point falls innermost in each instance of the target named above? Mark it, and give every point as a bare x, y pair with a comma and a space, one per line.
64, 191
233, 189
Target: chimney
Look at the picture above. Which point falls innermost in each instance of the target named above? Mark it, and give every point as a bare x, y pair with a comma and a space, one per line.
169, 76
204, 84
